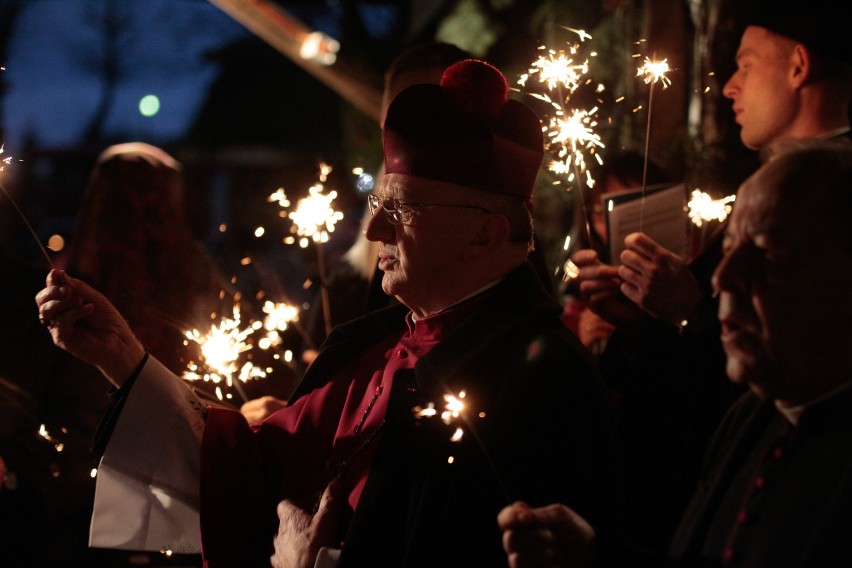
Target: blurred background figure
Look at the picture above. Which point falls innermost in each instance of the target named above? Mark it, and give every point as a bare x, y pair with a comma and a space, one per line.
133, 242
618, 173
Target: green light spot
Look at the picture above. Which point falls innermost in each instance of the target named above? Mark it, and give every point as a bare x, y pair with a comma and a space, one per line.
149, 105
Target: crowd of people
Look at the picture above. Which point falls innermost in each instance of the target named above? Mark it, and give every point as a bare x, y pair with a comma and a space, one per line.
677, 413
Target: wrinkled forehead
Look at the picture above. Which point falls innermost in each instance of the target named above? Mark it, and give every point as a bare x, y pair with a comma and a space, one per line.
757, 204
404, 186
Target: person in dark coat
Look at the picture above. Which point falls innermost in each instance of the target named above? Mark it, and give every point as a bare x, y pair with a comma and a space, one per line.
416, 424
776, 488
665, 360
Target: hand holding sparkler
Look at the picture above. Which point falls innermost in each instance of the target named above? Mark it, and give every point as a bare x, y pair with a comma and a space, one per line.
546, 536
84, 323
657, 280
599, 286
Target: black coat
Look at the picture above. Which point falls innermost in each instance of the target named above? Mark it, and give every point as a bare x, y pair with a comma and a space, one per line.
771, 494
546, 436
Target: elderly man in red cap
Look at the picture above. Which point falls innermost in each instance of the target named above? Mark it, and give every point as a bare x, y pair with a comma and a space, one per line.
360, 471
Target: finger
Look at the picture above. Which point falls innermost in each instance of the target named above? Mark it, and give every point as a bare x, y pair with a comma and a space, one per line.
285, 509
526, 539
592, 287
52, 309
514, 515
328, 504
51, 292
642, 244
62, 326
636, 261
585, 257
636, 274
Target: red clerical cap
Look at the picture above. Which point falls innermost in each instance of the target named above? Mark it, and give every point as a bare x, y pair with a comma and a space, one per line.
465, 131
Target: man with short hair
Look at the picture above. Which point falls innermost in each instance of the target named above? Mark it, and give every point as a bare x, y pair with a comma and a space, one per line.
355, 463
776, 489
665, 360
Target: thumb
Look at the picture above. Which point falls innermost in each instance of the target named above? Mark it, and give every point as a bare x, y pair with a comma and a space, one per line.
325, 519
330, 499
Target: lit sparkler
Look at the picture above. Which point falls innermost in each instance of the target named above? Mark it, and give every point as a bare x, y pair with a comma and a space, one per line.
703, 208
455, 412
313, 220
221, 349
569, 131
3, 163
453, 408
57, 444
279, 317
652, 72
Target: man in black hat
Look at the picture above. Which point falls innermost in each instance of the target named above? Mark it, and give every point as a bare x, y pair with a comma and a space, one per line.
793, 80
357, 461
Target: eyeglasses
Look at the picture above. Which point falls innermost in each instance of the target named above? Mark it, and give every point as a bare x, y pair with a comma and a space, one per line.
399, 213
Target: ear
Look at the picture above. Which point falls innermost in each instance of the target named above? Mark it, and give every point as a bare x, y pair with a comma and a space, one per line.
491, 231
801, 65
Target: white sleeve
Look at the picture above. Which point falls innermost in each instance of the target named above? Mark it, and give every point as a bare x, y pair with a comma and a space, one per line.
327, 557
146, 497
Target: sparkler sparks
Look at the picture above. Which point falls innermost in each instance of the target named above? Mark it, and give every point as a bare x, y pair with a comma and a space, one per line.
3, 163
569, 130
453, 408
654, 71
651, 72
314, 216
57, 444
279, 316
703, 208
221, 349
313, 220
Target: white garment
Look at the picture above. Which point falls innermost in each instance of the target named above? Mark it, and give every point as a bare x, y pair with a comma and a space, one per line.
147, 492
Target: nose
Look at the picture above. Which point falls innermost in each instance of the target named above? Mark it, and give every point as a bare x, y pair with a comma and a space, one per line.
732, 273
379, 229
731, 88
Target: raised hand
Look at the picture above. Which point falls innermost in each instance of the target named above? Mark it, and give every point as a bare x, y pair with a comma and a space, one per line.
84, 323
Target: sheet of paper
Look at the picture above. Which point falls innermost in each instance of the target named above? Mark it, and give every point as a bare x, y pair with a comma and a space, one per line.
661, 214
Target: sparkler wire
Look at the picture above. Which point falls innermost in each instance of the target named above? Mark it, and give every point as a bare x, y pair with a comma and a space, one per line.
27, 223
645, 163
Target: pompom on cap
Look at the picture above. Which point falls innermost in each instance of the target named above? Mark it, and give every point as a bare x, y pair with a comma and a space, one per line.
465, 131
475, 87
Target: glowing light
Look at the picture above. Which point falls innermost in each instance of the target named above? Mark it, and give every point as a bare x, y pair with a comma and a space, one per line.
278, 318
320, 48
314, 217
259, 232
149, 105
57, 444
279, 197
365, 183
569, 131
654, 71
221, 350
279, 315
56, 243
453, 408
94, 473
571, 271
703, 208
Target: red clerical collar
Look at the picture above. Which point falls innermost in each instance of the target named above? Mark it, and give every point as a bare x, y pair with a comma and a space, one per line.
425, 332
